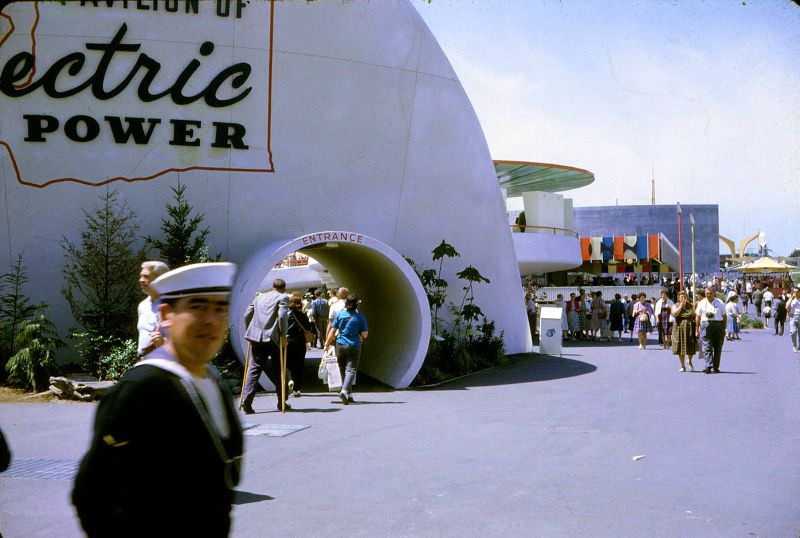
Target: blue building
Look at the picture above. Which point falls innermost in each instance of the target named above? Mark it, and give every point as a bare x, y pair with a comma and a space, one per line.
653, 219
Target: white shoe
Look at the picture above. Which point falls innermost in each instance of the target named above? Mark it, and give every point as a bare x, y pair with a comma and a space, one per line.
291, 385
682, 370
296, 394
691, 368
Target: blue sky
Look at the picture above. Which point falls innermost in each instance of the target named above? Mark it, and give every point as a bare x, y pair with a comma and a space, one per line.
706, 94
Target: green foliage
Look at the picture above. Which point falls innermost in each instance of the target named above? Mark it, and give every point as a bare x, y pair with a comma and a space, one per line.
184, 238
226, 362
468, 342
34, 361
94, 347
101, 274
15, 309
746, 321
113, 365
795, 253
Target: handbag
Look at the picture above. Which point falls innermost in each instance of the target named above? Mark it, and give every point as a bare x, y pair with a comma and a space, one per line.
310, 336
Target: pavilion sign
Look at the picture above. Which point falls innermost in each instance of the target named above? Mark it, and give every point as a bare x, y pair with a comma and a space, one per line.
94, 92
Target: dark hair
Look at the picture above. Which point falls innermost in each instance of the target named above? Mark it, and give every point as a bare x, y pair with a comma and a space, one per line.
351, 303
617, 296
279, 284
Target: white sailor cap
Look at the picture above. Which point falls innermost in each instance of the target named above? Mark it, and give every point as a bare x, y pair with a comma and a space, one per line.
196, 279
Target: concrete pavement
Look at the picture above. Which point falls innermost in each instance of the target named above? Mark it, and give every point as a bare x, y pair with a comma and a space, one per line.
543, 446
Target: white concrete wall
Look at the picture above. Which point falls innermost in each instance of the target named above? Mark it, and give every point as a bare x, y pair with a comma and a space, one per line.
543, 209
370, 131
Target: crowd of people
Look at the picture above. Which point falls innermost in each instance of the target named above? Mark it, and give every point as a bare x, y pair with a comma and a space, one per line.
682, 325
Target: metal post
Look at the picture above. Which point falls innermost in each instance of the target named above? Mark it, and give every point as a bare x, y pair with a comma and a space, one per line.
694, 280
680, 246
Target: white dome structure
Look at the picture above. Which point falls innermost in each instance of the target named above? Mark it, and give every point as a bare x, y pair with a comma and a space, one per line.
335, 127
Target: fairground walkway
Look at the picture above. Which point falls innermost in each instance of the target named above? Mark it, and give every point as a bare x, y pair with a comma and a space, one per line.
606, 440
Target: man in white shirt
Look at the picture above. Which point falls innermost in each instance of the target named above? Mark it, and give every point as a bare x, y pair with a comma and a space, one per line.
793, 315
335, 308
150, 336
710, 324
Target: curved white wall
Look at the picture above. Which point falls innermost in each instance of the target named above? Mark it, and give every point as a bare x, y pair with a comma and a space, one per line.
353, 107
546, 252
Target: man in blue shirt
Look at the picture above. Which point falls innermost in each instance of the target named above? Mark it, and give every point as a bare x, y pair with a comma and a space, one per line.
350, 327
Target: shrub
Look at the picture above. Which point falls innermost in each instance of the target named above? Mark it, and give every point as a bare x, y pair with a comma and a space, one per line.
119, 360
226, 362
34, 362
467, 342
15, 309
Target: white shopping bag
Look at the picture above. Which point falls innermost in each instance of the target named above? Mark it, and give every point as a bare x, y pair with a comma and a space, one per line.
334, 378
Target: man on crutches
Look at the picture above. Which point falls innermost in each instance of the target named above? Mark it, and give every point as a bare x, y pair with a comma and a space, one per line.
267, 321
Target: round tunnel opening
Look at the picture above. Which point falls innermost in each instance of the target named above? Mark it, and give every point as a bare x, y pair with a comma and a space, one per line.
393, 300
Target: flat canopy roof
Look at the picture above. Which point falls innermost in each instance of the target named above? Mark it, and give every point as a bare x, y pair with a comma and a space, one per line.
518, 177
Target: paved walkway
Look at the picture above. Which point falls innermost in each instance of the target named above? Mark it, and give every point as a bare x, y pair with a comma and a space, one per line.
544, 446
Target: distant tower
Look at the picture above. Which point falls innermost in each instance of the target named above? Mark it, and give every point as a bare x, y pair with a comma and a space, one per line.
653, 185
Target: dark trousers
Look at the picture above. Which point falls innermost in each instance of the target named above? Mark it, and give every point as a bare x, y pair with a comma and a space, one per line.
781, 322
265, 358
321, 325
348, 358
712, 336
296, 361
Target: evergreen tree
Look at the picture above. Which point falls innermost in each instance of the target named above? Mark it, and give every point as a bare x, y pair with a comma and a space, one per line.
101, 273
184, 238
15, 310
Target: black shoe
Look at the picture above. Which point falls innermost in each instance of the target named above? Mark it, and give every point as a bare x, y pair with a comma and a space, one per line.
716, 370
248, 410
288, 407
707, 370
344, 398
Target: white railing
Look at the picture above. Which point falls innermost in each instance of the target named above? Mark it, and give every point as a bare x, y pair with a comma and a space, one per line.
550, 292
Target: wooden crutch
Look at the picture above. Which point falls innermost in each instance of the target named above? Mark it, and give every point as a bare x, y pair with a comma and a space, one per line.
247, 354
283, 376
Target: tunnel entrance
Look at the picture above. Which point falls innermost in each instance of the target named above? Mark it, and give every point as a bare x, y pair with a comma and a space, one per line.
393, 300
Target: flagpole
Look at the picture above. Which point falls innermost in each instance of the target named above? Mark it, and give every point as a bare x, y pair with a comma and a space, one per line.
680, 246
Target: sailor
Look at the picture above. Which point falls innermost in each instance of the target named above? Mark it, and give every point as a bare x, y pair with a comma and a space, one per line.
167, 444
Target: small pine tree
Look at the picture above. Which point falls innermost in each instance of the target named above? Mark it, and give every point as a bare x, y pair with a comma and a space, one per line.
101, 272
36, 346
180, 245
15, 309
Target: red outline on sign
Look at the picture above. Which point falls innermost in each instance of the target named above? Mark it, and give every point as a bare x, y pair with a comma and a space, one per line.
29, 183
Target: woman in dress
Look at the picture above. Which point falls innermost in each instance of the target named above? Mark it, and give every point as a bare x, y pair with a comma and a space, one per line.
572, 316
583, 315
616, 315
599, 314
641, 319
684, 339
663, 313
732, 311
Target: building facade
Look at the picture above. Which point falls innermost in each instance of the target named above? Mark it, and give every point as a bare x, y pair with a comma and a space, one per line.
655, 219
336, 128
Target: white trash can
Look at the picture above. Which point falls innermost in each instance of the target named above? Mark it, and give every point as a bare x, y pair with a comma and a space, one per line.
550, 335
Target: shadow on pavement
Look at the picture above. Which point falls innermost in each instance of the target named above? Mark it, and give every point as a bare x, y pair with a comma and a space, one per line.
245, 497
526, 368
